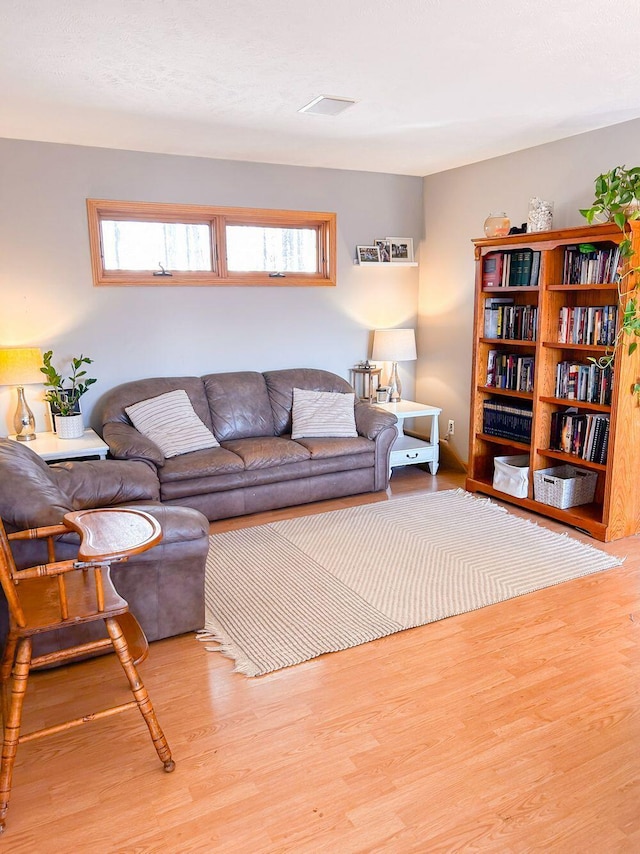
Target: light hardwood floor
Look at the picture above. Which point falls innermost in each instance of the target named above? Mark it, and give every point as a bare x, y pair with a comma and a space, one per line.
515, 728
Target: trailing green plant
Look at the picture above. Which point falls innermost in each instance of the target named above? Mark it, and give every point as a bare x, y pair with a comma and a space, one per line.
65, 400
617, 199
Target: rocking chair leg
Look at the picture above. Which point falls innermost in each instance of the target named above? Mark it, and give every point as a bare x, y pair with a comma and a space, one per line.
12, 724
140, 693
8, 660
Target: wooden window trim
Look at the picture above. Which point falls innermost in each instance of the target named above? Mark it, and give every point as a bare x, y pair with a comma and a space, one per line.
217, 218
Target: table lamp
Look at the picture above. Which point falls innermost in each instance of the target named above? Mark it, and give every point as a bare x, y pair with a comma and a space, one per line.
20, 366
394, 345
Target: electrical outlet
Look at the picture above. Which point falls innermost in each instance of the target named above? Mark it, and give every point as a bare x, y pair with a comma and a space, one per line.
451, 429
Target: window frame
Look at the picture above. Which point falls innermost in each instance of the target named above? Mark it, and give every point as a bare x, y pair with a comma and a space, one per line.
217, 218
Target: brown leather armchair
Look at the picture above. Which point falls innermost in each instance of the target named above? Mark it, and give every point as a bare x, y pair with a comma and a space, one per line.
164, 586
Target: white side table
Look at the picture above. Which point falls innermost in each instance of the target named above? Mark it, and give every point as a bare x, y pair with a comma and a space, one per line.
407, 450
52, 449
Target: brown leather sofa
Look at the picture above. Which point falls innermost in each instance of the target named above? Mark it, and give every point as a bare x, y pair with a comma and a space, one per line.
258, 467
164, 586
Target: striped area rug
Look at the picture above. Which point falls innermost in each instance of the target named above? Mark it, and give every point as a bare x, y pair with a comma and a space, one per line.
286, 592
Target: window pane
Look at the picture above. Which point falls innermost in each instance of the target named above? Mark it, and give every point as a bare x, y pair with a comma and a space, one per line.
146, 245
272, 250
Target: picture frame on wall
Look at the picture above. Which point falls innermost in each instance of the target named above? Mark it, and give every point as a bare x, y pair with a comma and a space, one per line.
385, 249
401, 249
368, 254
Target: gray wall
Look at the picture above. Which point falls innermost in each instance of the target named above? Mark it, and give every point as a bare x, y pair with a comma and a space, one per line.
456, 203
47, 296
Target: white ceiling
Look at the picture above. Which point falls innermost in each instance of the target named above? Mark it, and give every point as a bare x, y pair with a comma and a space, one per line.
438, 83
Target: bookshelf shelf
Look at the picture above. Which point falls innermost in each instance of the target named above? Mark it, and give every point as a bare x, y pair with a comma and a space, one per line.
509, 342
500, 440
571, 459
608, 286
506, 392
511, 289
587, 348
585, 310
578, 404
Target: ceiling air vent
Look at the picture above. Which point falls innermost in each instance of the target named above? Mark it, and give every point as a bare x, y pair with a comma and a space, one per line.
327, 105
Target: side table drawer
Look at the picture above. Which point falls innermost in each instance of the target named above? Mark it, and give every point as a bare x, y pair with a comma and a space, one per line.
410, 456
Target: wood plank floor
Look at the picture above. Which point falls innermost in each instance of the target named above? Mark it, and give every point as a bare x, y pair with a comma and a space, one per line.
515, 728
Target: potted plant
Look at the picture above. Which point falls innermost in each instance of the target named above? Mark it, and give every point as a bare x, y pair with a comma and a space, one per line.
617, 199
64, 400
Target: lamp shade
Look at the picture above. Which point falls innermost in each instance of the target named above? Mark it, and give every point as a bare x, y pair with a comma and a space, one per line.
21, 366
394, 345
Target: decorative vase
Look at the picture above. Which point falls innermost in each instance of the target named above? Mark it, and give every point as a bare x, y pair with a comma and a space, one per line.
70, 426
497, 225
540, 215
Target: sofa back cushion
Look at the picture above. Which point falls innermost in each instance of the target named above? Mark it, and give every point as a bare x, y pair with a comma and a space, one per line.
33, 494
114, 403
280, 385
170, 421
29, 495
239, 405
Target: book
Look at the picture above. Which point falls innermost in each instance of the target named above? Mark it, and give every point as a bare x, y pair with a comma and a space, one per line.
492, 269
534, 276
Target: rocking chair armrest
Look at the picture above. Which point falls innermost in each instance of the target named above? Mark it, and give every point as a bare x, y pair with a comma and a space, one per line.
46, 570
39, 533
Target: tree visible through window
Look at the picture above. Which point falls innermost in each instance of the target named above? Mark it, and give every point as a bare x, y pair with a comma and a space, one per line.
138, 243
290, 250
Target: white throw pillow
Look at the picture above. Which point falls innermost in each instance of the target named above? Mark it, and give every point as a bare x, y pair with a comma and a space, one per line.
170, 421
323, 414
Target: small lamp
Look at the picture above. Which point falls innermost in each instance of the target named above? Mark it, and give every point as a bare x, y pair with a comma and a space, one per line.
394, 345
20, 367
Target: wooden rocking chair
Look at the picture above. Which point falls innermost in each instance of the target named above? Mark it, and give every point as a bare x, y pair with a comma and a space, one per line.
64, 593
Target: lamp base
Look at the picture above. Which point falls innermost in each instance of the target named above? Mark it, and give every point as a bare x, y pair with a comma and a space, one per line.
23, 421
395, 386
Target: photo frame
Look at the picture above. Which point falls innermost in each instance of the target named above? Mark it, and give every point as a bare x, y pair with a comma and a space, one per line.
384, 246
401, 249
368, 254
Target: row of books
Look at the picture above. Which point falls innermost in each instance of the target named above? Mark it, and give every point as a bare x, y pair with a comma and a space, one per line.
586, 264
506, 420
584, 381
503, 319
510, 371
510, 269
594, 324
585, 436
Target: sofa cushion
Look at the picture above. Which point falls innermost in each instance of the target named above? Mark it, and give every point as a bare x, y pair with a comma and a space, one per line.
183, 490
267, 452
324, 449
239, 403
322, 414
280, 385
170, 421
205, 463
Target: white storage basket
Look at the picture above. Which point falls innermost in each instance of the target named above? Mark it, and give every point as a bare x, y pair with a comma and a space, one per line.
511, 475
564, 486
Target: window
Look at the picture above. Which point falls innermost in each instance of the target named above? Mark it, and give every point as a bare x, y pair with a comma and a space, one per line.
137, 243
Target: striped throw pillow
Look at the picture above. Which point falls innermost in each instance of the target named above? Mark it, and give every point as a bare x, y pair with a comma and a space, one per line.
170, 421
322, 414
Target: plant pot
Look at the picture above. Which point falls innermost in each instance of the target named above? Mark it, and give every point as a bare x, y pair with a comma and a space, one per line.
70, 426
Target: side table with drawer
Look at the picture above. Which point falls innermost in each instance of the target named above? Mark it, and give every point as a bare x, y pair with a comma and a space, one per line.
407, 450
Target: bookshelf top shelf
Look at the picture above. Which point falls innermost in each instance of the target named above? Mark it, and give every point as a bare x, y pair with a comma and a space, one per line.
608, 286
531, 289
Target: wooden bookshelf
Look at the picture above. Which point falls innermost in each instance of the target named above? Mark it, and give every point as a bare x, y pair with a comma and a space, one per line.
615, 510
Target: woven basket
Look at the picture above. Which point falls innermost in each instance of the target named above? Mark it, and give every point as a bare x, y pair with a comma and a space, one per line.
564, 486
